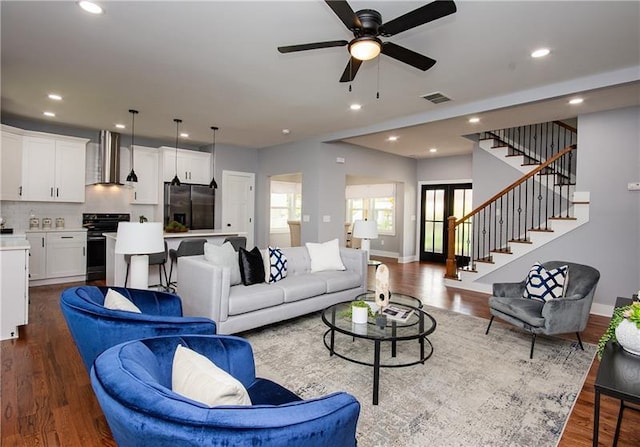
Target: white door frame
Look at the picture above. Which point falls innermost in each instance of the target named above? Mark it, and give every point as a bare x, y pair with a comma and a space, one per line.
249, 226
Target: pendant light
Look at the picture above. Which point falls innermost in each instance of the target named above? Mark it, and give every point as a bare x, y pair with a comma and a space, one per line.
132, 177
176, 180
213, 183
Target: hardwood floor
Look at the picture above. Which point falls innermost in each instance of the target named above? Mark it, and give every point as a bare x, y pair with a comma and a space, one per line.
47, 399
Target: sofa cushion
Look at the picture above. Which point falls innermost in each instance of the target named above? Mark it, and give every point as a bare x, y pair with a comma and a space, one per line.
338, 281
325, 256
244, 299
277, 265
300, 287
195, 376
224, 256
116, 301
251, 266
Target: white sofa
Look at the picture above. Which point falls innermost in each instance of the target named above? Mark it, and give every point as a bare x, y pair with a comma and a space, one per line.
206, 292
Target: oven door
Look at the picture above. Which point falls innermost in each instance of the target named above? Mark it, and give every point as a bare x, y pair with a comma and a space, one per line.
96, 257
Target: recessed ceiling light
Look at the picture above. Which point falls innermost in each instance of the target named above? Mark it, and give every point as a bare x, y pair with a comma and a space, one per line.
433, 150
355, 106
55, 97
575, 101
474, 120
90, 7
184, 135
392, 138
286, 131
51, 114
541, 52
121, 126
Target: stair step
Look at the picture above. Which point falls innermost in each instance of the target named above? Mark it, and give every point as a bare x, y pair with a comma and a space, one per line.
541, 230
562, 218
487, 260
520, 241
505, 251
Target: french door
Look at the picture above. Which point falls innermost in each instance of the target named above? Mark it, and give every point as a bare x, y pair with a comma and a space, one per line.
438, 203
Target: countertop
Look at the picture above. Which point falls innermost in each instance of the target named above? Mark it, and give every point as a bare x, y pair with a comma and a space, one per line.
54, 230
14, 243
191, 233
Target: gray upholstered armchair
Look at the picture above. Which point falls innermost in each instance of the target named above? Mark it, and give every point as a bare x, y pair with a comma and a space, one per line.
557, 316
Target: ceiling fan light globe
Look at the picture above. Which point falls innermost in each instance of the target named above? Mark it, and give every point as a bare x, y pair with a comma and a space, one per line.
365, 48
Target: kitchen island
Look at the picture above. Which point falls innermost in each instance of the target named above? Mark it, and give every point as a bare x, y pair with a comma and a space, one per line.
14, 287
117, 267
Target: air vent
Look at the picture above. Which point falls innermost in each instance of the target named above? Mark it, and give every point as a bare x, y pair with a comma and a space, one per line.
436, 97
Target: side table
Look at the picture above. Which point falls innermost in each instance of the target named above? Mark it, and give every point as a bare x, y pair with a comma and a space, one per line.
618, 377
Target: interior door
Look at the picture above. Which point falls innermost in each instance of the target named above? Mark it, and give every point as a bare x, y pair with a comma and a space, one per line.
438, 203
238, 198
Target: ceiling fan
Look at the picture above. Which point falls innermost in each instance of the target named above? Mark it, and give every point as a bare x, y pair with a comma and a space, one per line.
366, 26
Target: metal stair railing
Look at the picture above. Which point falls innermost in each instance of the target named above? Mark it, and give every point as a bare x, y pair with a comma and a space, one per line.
509, 216
536, 142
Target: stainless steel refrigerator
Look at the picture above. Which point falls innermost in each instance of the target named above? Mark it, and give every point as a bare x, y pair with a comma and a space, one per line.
191, 205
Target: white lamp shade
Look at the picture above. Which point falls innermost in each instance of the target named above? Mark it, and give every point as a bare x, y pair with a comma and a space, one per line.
365, 229
136, 238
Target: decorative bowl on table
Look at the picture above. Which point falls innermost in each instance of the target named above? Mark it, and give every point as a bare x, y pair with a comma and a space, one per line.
175, 227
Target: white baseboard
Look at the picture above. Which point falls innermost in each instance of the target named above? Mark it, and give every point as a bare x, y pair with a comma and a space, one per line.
384, 254
605, 310
49, 281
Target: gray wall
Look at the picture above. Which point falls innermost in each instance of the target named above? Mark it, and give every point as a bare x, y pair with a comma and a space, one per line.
608, 159
445, 169
323, 188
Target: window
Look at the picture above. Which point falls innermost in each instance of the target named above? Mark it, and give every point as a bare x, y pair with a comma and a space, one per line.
377, 202
286, 204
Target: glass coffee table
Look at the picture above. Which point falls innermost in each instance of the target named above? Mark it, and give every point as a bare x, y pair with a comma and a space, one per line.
407, 341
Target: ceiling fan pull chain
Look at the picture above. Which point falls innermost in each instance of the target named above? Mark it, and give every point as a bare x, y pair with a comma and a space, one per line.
350, 73
378, 81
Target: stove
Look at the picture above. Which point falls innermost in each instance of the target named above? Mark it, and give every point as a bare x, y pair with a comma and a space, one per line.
97, 224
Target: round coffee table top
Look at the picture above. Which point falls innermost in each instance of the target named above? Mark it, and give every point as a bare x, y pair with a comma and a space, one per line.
419, 325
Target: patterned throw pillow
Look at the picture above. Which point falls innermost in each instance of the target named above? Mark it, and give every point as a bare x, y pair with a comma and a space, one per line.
544, 285
277, 265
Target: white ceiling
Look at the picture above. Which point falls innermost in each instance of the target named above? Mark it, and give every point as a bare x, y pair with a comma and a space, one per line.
216, 63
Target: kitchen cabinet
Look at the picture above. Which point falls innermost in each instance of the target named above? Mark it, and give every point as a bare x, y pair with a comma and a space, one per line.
192, 167
57, 256
10, 165
66, 254
37, 255
14, 287
53, 168
146, 164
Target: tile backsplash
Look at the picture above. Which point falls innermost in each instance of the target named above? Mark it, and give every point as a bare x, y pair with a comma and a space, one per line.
98, 199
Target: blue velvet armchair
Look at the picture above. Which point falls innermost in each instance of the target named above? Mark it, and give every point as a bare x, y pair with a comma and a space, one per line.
95, 328
133, 384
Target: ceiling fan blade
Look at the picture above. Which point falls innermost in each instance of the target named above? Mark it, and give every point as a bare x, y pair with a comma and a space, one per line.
312, 46
420, 16
350, 71
344, 12
407, 56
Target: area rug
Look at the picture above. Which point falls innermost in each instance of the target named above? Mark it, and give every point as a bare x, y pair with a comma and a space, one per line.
475, 390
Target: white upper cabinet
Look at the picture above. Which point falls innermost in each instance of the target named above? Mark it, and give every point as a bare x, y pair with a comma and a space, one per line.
10, 166
53, 168
146, 165
192, 166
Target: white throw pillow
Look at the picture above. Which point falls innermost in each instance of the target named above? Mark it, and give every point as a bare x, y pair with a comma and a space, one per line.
114, 300
224, 256
198, 378
325, 256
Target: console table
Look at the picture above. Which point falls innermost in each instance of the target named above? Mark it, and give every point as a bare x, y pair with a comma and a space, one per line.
618, 377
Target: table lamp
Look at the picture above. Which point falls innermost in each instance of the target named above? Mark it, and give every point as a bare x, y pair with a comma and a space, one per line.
139, 240
365, 230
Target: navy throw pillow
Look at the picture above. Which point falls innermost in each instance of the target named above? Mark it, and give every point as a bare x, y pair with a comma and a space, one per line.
251, 266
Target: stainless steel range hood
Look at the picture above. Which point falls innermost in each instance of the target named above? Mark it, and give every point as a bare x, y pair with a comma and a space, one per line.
109, 158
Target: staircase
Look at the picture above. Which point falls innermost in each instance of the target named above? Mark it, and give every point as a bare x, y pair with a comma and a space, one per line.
536, 209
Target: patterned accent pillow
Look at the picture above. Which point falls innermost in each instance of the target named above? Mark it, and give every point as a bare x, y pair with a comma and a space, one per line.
544, 285
277, 265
